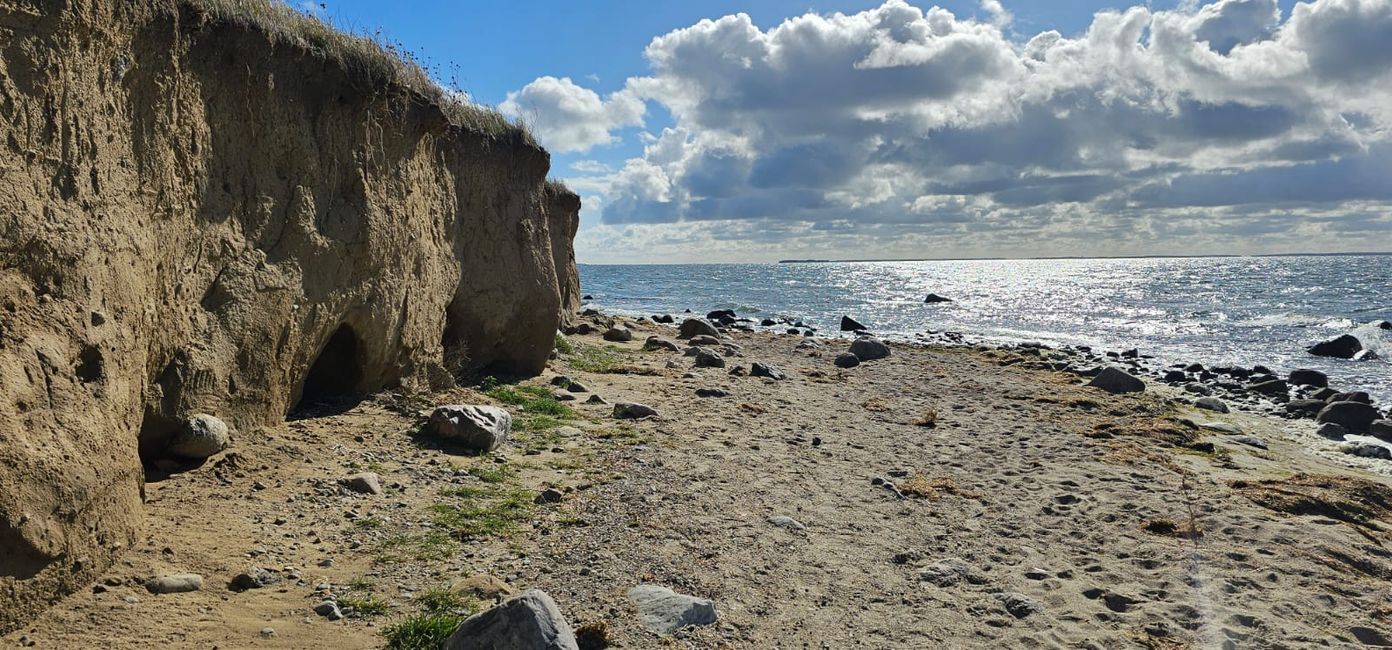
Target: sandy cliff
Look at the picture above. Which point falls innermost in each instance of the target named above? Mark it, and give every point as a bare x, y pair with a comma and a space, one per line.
199, 217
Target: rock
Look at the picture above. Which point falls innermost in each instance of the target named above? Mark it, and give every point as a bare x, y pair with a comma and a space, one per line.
618, 334
1197, 389
783, 521
757, 369
767, 322
1357, 417
200, 436
1221, 427
849, 324
1175, 377
633, 411
1019, 605
253, 579
477, 428
704, 340
1304, 407
935, 298
531, 621
562, 396
549, 495
1114, 380
1307, 377
1384, 325
1332, 431
562, 381
363, 483
1271, 388
1366, 450
659, 343
596, 399
949, 572
1324, 394
1211, 404
483, 587
711, 392
695, 327
1250, 441
577, 387
174, 584
1381, 429
1366, 355
846, 360
869, 349
1355, 396
1343, 346
268, 633
329, 609
665, 319
708, 359
663, 611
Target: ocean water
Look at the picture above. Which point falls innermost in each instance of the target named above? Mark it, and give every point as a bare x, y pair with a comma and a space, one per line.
1238, 310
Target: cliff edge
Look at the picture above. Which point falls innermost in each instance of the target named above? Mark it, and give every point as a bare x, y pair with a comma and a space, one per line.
218, 206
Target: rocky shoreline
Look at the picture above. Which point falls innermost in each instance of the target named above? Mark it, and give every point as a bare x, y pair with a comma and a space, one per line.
690, 484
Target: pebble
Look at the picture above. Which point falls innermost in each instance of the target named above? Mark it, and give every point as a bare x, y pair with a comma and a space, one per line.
174, 584
783, 521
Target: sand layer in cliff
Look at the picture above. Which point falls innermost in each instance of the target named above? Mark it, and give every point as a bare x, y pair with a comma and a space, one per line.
1089, 508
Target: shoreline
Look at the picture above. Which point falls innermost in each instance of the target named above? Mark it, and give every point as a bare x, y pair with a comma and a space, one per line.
945, 495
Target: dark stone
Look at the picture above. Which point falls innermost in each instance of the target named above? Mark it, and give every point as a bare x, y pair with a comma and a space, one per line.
1324, 394
869, 349
1343, 346
1272, 387
253, 579
757, 369
768, 322
1176, 377
1357, 417
633, 411
707, 359
720, 314
849, 324
665, 319
696, 327
1307, 377
1115, 380
935, 298
618, 335
1305, 407
711, 392
846, 360
1381, 429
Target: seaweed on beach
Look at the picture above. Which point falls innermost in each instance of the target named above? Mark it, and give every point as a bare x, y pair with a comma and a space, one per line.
1352, 500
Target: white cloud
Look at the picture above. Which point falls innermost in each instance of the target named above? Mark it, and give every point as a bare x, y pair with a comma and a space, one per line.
567, 117
1152, 128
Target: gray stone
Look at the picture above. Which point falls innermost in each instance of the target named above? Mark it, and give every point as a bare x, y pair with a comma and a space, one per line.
949, 571
663, 611
1221, 427
329, 609
1332, 431
174, 584
1366, 450
253, 579
1343, 346
659, 343
784, 521
704, 340
1250, 441
869, 349
478, 428
531, 621
757, 369
708, 359
1114, 380
1019, 605
846, 360
633, 411
1211, 404
562, 396
200, 436
618, 335
363, 483
696, 327
1307, 377
549, 495
1357, 417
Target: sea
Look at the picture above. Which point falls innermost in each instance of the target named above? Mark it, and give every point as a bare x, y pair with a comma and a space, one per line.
1211, 310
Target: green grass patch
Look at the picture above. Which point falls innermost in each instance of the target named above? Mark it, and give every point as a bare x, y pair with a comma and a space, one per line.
368, 523
498, 515
423, 632
535, 401
493, 472
431, 546
563, 344
444, 601
590, 358
365, 606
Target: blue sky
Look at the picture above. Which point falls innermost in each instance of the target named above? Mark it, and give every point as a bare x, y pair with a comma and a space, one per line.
951, 129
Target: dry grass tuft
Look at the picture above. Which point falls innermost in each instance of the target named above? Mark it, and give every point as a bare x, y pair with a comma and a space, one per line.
1352, 500
928, 420
923, 486
752, 408
592, 635
369, 57
876, 404
1171, 528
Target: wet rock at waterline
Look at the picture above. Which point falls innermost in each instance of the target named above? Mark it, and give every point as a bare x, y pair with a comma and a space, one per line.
1343, 346
1115, 380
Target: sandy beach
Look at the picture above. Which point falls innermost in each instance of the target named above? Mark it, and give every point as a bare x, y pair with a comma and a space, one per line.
940, 497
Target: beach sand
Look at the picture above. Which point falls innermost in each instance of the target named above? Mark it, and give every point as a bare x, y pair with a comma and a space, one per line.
1016, 509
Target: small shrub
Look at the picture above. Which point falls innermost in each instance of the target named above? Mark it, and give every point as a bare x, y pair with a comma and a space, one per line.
498, 516
434, 545
590, 358
563, 344
365, 606
928, 420
423, 632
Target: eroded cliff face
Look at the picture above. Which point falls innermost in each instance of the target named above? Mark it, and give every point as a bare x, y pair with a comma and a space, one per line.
194, 219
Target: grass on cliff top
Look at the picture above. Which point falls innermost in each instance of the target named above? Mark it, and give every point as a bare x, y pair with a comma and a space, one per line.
381, 62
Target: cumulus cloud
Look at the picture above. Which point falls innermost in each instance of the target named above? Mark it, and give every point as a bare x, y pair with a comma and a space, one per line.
568, 117
1151, 127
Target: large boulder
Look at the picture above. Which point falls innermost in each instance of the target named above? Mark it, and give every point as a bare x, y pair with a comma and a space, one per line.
1357, 417
1343, 346
1115, 380
1381, 429
869, 349
1307, 377
1270, 388
477, 428
201, 436
531, 621
696, 327
663, 611
708, 359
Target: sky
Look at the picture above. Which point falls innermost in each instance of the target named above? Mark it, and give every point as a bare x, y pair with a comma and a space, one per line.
721, 131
